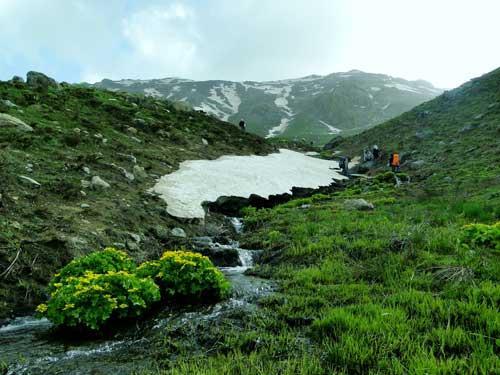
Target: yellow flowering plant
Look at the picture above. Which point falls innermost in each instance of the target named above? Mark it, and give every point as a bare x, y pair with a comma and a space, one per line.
109, 259
184, 275
91, 300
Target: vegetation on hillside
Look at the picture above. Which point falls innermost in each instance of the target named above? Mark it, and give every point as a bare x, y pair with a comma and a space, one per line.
75, 176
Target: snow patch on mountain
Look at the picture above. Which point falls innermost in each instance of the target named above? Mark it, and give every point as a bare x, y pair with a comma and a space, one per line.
277, 130
153, 92
332, 129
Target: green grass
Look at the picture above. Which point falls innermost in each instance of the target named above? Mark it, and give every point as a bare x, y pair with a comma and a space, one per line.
388, 291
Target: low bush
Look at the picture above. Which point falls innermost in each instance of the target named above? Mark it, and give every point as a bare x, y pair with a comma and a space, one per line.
97, 262
186, 275
482, 235
91, 300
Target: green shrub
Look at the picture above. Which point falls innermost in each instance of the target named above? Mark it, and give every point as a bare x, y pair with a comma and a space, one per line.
97, 262
482, 235
91, 300
186, 275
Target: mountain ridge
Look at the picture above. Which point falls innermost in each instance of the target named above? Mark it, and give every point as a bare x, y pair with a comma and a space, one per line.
312, 107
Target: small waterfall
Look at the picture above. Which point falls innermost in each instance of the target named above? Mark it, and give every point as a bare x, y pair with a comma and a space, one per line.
246, 258
237, 224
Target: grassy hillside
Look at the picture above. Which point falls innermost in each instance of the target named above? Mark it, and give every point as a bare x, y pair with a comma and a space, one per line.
76, 134
454, 138
411, 286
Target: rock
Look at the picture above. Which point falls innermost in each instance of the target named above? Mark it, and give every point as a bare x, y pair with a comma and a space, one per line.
98, 182
86, 170
40, 80
160, 232
178, 232
8, 103
136, 139
131, 158
129, 176
140, 122
358, 204
77, 130
139, 172
135, 237
305, 206
466, 128
132, 246
131, 130
8, 120
29, 167
85, 205
417, 164
17, 79
31, 181
85, 184
204, 142
119, 245
202, 241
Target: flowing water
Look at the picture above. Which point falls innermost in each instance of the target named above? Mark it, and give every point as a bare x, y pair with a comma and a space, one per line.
28, 347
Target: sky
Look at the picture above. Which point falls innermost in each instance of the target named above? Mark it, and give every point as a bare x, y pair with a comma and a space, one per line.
446, 42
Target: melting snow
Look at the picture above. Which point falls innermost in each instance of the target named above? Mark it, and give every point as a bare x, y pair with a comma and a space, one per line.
277, 130
199, 181
333, 129
402, 87
228, 101
153, 92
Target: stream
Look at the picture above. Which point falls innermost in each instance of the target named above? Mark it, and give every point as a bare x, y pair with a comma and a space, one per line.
28, 347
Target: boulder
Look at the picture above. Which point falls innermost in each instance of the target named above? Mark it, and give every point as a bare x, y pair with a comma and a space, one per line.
11, 121
8, 103
358, 204
98, 182
178, 232
139, 172
40, 80
17, 79
417, 164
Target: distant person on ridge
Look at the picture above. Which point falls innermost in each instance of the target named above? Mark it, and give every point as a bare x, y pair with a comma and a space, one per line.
394, 162
242, 124
376, 152
344, 165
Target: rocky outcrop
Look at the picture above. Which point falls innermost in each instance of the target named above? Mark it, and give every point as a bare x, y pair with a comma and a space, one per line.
358, 204
40, 81
11, 121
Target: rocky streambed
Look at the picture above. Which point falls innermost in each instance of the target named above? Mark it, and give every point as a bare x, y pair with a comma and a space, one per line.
28, 345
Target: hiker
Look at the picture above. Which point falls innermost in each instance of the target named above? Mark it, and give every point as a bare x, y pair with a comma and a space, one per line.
344, 165
375, 152
367, 155
394, 162
242, 124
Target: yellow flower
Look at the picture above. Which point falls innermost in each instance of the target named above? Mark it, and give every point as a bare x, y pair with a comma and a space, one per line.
41, 308
69, 306
123, 306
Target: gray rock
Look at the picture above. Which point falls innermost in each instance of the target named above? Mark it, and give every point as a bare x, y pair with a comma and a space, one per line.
202, 241
17, 79
31, 181
358, 204
139, 172
131, 130
178, 232
40, 80
11, 121
136, 139
85, 205
86, 170
305, 206
132, 246
8, 103
98, 182
119, 245
135, 237
129, 176
417, 164
85, 184
204, 141
161, 232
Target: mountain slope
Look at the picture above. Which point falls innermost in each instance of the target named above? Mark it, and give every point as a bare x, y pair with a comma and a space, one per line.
455, 136
312, 107
75, 167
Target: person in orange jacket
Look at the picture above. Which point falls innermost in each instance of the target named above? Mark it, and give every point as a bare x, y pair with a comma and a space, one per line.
394, 162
